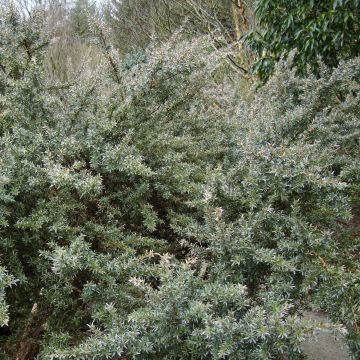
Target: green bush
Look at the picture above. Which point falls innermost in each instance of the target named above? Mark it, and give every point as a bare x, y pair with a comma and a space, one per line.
317, 29
152, 210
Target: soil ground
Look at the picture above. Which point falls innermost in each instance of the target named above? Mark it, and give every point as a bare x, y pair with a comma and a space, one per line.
326, 346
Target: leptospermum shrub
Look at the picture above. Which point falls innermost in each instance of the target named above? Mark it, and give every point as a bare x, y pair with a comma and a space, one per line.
152, 211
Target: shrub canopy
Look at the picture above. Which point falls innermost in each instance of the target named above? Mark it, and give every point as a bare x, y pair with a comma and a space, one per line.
156, 209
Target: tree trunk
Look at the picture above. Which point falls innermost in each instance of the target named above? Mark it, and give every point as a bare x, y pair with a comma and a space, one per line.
29, 345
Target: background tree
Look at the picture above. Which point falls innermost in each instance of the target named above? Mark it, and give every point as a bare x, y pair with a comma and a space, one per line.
317, 29
79, 16
136, 23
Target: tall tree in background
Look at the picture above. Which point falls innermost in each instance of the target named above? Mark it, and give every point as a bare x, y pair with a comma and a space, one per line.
79, 17
71, 50
135, 23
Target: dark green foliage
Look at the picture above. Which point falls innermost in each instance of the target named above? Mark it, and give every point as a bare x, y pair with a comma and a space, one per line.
326, 29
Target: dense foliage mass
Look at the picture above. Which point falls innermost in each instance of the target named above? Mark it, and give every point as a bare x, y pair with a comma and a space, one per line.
158, 208
317, 29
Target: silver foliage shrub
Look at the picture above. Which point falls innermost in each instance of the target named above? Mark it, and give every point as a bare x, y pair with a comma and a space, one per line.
270, 241
153, 210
